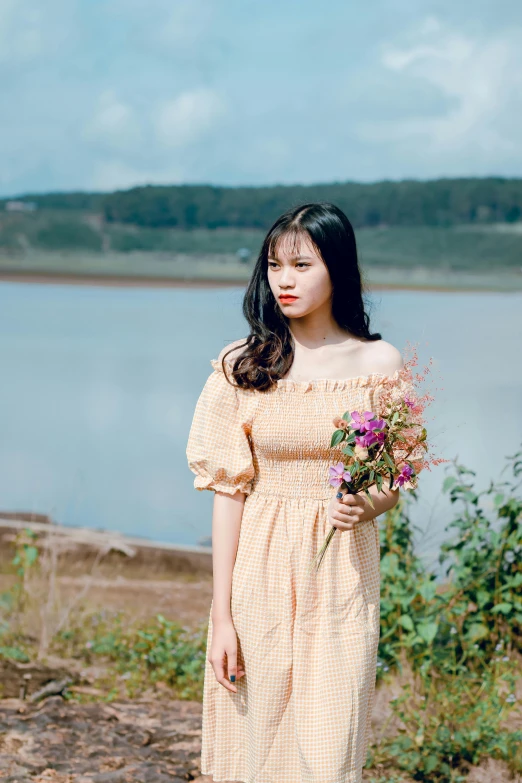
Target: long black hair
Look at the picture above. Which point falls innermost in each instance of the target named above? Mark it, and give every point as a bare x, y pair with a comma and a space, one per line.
268, 351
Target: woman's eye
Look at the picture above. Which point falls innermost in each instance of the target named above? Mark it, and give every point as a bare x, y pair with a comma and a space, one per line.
302, 264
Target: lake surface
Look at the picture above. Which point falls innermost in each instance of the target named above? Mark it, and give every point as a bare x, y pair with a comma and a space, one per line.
99, 387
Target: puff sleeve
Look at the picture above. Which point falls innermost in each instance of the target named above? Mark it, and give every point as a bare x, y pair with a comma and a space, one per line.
390, 390
218, 448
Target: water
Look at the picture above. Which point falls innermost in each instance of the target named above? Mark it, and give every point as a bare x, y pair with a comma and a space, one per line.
99, 386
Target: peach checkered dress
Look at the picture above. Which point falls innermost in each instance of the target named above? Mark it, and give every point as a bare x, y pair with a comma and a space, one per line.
308, 643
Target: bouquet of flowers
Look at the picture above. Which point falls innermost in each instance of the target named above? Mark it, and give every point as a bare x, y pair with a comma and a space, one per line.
381, 446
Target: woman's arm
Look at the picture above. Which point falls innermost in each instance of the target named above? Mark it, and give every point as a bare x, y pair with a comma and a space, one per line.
226, 524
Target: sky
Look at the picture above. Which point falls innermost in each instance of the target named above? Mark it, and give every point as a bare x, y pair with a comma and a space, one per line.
106, 94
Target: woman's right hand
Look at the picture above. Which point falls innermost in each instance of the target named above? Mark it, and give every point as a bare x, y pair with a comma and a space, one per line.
345, 512
223, 653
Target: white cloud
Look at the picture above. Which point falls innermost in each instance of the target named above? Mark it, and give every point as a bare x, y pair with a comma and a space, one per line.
20, 31
188, 117
114, 123
479, 78
31, 31
186, 24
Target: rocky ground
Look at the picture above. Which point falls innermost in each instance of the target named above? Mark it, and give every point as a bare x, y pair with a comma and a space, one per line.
125, 742
100, 743
149, 740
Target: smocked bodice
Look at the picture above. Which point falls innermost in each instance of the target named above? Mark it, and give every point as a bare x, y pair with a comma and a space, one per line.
278, 441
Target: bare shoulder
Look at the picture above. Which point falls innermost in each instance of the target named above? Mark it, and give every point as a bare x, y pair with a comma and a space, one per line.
235, 348
383, 357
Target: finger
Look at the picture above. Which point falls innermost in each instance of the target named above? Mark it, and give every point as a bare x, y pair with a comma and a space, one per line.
343, 519
345, 514
219, 671
342, 526
232, 665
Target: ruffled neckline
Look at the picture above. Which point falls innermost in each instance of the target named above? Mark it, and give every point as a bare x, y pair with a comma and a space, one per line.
324, 384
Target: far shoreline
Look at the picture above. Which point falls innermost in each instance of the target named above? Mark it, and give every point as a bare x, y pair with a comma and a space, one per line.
128, 281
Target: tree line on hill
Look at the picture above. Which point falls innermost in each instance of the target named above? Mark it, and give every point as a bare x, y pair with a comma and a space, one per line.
442, 202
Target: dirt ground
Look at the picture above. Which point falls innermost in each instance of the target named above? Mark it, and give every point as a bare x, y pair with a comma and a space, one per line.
151, 740
124, 742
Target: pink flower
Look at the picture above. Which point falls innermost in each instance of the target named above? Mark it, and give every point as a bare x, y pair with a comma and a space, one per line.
338, 474
361, 422
404, 476
377, 424
369, 439
366, 440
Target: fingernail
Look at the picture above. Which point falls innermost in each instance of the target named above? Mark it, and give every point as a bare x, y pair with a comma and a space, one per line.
232, 678
339, 495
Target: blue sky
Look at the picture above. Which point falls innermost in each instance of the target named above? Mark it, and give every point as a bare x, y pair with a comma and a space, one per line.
106, 94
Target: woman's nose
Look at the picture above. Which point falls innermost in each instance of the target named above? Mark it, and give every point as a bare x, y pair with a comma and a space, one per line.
287, 278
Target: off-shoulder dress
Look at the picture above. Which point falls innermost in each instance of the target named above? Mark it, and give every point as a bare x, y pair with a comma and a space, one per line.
308, 642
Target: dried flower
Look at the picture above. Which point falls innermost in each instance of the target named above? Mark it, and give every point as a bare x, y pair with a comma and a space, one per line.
360, 452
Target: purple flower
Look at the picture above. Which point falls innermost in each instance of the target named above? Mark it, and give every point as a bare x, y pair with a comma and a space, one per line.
338, 474
366, 440
377, 424
361, 422
404, 476
409, 403
369, 439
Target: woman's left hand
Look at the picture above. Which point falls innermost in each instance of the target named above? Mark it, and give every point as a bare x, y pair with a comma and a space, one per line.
345, 512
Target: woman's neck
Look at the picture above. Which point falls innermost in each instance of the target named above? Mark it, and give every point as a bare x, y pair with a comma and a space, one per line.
316, 330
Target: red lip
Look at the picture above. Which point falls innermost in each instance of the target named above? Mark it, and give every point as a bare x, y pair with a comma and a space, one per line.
287, 298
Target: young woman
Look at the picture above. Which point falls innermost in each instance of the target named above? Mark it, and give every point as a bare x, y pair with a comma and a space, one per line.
291, 655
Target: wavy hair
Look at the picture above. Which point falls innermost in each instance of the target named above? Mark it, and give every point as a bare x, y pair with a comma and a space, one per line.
268, 351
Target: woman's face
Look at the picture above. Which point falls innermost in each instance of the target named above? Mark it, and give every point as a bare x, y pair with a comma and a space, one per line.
298, 277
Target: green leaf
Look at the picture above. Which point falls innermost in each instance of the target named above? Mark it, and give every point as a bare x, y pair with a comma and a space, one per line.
31, 554
337, 437
498, 499
14, 654
378, 481
370, 499
431, 764
349, 451
448, 483
406, 622
477, 631
442, 733
427, 631
388, 459
504, 607
427, 590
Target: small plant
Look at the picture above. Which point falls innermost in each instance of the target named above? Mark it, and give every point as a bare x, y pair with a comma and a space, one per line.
449, 724
160, 651
25, 560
